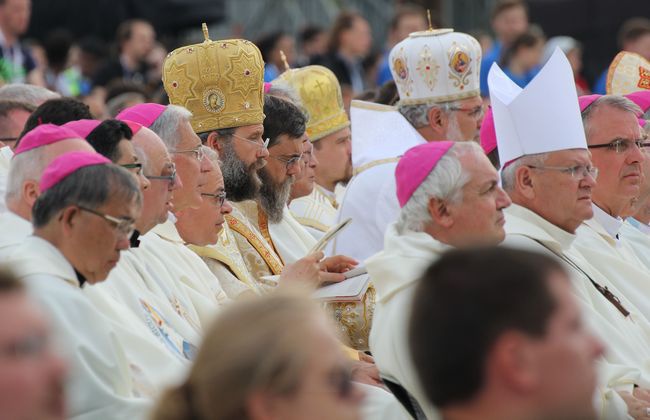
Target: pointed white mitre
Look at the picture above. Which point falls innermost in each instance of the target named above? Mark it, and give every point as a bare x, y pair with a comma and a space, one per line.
543, 117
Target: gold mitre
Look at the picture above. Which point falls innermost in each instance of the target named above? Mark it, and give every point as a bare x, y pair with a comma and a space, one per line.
629, 72
220, 82
320, 94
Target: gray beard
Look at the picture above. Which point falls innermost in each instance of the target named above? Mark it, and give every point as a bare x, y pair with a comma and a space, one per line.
274, 197
241, 183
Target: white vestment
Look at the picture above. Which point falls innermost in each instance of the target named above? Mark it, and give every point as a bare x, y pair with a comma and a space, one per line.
614, 259
14, 230
102, 382
395, 273
291, 239
5, 160
637, 236
317, 212
627, 358
164, 247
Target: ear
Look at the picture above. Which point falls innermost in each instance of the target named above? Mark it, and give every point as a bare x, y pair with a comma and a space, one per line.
437, 120
440, 212
69, 218
259, 406
213, 142
512, 361
30, 192
524, 182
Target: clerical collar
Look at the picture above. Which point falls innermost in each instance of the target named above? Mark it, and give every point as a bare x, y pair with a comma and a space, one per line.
611, 224
642, 227
134, 240
80, 278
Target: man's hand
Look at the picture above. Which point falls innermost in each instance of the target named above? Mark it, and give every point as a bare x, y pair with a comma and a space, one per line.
338, 264
366, 373
637, 408
305, 272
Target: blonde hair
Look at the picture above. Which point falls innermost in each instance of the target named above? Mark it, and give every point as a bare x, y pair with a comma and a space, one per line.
255, 345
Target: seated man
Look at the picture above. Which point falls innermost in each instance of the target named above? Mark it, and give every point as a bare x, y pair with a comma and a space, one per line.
82, 220
497, 334
32, 375
450, 197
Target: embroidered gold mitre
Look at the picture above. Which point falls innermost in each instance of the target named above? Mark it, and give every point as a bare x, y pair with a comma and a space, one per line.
220, 82
320, 94
629, 72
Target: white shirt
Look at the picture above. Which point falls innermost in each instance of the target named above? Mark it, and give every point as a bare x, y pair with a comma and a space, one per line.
637, 236
612, 225
14, 230
5, 161
102, 384
395, 272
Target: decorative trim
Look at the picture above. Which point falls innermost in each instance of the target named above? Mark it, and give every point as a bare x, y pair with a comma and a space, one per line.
374, 163
262, 248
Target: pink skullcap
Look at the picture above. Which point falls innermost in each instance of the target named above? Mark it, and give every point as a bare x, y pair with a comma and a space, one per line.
82, 127
641, 98
586, 100
43, 135
66, 164
416, 164
488, 133
642, 122
143, 114
134, 126
267, 87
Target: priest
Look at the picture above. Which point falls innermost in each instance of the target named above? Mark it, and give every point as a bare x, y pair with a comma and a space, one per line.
82, 220
437, 76
550, 178
450, 198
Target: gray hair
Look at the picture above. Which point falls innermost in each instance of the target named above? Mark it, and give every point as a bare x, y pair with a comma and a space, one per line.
33, 95
418, 115
223, 133
509, 172
211, 155
445, 182
168, 123
281, 88
90, 187
25, 166
614, 101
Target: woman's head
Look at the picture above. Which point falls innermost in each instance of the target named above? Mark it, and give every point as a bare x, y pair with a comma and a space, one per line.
267, 358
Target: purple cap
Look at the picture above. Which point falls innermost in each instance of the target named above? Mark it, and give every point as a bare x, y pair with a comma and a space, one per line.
66, 164
488, 133
43, 135
143, 114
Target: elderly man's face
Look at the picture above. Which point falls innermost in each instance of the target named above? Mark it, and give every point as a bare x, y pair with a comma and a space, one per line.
560, 197
31, 375
96, 242
478, 219
128, 157
157, 199
190, 167
563, 361
464, 121
305, 182
620, 174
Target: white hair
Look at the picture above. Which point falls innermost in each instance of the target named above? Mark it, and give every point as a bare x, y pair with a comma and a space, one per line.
445, 182
25, 166
34, 95
283, 89
508, 173
211, 154
614, 101
168, 123
418, 115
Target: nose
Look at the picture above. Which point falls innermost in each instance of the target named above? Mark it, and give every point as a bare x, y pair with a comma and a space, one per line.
503, 200
178, 183
226, 208
124, 242
144, 182
205, 164
636, 155
262, 153
294, 169
597, 346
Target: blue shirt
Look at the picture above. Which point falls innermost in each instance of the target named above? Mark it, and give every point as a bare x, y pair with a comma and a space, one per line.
490, 57
383, 74
600, 87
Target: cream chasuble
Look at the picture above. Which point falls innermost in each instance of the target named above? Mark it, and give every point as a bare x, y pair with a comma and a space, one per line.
395, 273
627, 359
164, 246
5, 161
14, 230
317, 212
130, 284
103, 383
287, 242
615, 261
636, 236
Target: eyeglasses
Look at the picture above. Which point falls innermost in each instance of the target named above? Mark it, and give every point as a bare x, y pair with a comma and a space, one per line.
32, 346
197, 151
220, 199
576, 172
136, 166
622, 145
256, 143
476, 112
289, 163
123, 226
171, 178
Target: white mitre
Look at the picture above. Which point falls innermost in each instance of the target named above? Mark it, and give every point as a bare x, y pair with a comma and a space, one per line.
436, 65
379, 132
543, 117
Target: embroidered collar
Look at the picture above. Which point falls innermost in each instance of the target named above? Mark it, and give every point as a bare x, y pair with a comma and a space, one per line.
612, 225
